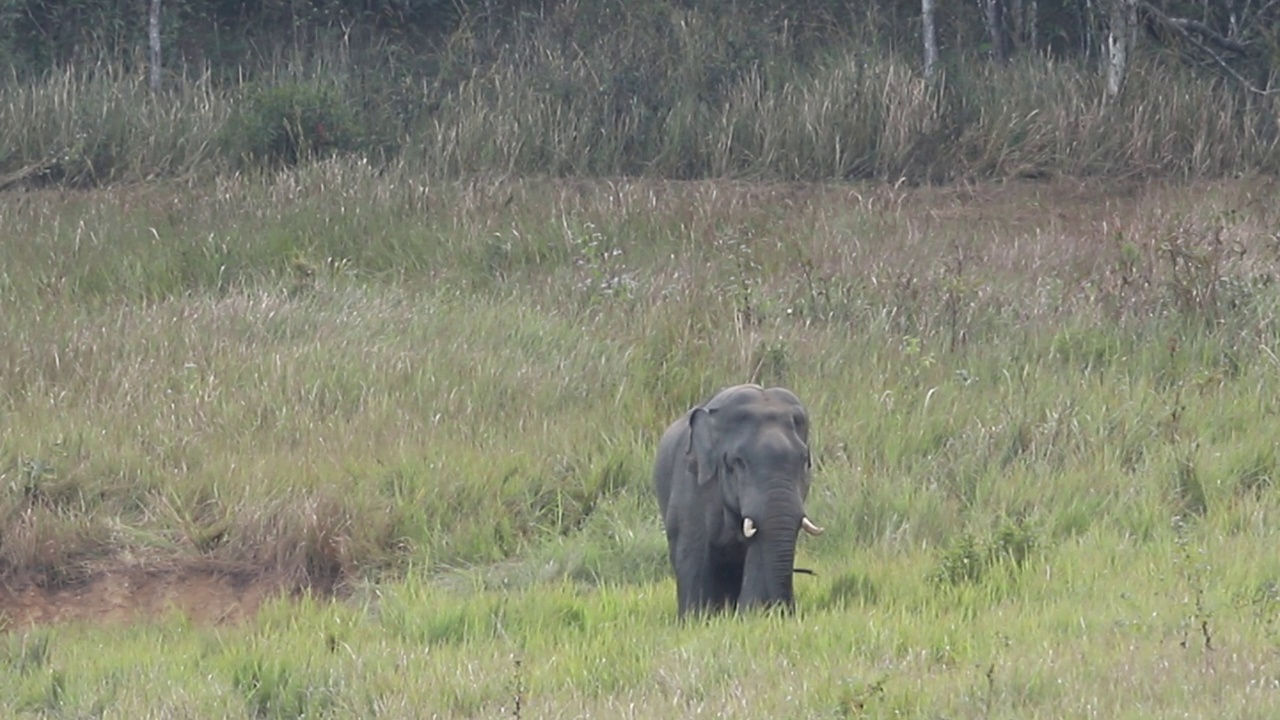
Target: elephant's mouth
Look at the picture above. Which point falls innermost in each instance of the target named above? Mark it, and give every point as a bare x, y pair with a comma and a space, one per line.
749, 528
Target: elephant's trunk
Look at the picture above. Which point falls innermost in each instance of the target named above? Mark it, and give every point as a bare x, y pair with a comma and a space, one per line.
771, 553
767, 577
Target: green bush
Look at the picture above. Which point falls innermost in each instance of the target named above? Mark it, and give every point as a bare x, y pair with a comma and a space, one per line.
284, 125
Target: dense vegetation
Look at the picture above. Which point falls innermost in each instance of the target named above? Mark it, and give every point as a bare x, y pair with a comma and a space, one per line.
655, 88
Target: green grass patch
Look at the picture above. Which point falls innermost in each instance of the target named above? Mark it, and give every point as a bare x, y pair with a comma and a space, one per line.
1043, 454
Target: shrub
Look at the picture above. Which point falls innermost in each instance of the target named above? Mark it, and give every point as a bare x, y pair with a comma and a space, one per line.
286, 124
969, 559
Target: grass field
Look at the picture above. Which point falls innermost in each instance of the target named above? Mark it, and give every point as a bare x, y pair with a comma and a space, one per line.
1044, 428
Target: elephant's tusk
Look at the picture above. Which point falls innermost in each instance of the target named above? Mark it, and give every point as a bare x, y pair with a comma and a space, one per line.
810, 528
748, 527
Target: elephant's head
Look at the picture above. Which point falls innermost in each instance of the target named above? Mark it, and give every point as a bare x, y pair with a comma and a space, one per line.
753, 444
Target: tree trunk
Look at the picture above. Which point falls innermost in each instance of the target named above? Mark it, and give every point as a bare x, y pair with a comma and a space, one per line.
1013, 21
1084, 15
996, 31
1021, 25
1120, 40
1031, 22
153, 41
929, 31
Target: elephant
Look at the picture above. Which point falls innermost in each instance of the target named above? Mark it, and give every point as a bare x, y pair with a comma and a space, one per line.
731, 477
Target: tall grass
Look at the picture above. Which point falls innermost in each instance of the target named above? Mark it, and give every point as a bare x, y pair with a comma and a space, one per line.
336, 371
99, 124
643, 89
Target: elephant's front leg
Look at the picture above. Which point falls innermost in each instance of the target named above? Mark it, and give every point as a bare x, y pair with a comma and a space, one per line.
689, 561
726, 564
708, 577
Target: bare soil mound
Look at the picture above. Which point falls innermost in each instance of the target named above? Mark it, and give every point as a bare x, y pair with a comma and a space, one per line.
207, 593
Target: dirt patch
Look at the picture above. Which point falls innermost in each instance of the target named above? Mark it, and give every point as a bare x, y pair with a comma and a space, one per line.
207, 593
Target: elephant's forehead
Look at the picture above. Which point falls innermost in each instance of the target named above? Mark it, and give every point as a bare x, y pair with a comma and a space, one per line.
754, 421
759, 411
769, 446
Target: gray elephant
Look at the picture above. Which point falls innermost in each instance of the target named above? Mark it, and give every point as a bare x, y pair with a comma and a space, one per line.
732, 475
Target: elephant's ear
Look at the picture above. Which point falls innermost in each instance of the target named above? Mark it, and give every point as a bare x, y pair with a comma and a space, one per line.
702, 443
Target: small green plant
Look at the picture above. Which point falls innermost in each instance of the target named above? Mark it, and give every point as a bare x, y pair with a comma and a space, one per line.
740, 286
822, 296
1013, 542
454, 626
48, 694
26, 652
35, 475
1189, 497
915, 356
771, 364
857, 698
1087, 350
273, 691
970, 558
601, 262
1258, 473
965, 561
850, 589
956, 293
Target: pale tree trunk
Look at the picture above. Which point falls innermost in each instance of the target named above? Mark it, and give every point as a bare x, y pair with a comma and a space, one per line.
1084, 15
1031, 20
996, 31
1021, 21
1120, 39
1013, 19
930, 32
153, 41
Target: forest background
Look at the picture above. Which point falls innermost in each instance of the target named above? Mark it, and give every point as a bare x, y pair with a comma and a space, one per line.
811, 90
